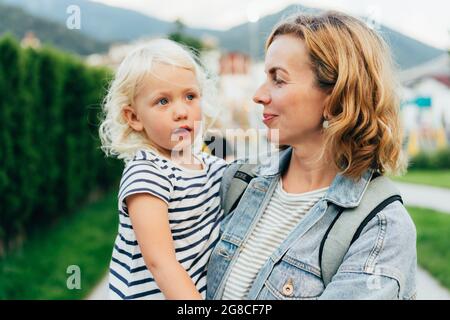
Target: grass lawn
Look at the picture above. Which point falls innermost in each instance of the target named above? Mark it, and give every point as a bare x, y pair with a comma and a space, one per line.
433, 242
39, 269
437, 178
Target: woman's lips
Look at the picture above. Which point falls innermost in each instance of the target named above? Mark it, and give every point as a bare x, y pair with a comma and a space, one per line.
267, 117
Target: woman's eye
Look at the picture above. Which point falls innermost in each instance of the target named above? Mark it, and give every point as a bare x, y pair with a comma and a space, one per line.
277, 81
191, 96
163, 101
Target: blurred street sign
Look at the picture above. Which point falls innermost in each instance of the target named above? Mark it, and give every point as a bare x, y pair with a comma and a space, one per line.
422, 102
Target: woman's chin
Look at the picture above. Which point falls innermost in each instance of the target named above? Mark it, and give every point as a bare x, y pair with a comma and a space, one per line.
273, 136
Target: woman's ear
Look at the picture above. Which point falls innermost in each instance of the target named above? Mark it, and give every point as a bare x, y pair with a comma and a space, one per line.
326, 112
132, 118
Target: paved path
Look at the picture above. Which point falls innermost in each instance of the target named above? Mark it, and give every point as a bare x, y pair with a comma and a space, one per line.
428, 288
425, 196
101, 291
416, 195
433, 198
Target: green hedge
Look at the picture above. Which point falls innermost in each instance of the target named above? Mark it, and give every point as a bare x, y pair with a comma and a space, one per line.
437, 160
50, 160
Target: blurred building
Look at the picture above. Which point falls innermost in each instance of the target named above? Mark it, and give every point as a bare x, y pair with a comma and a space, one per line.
234, 81
115, 54
241, 121
426, 104
234, 63
30, 40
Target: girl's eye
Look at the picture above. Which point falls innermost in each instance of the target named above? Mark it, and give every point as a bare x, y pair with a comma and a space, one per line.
191, 96
163, 101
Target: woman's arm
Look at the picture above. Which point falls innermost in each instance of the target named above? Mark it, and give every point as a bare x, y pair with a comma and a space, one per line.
149, 217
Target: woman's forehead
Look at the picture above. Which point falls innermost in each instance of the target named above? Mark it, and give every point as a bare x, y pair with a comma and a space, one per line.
286, 52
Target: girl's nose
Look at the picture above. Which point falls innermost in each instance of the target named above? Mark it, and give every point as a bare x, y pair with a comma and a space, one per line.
180, 112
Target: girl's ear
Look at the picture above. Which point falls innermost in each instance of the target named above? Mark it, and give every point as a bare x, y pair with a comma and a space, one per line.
132, 119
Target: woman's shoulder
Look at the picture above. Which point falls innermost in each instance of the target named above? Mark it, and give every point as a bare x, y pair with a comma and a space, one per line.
392, 220
401, 225
389, 237
394, 252
395, 213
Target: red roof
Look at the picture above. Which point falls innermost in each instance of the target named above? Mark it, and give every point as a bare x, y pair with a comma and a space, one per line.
444, 79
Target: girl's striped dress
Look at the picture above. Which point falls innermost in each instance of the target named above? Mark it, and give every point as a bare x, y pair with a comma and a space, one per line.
194, 215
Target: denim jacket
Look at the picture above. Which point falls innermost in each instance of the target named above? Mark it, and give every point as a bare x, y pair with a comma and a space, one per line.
380, 264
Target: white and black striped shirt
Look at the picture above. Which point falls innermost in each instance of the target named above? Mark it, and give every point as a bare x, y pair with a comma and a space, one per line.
194, 216
283, 213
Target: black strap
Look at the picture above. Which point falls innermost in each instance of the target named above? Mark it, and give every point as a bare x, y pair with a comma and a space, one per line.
235, 204
322, 243
243, 176
373, 213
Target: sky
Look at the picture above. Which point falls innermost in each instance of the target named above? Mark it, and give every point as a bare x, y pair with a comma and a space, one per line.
427, 21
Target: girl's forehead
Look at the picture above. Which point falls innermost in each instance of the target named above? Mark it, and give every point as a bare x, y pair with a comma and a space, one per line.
165, 77
162, 69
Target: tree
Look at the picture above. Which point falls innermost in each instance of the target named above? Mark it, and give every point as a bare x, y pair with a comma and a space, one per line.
11, 134
180, 36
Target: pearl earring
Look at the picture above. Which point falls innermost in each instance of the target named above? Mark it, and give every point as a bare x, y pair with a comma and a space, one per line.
325, 124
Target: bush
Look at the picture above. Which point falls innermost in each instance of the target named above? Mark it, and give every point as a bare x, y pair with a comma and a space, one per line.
50, 157
442, 159
431, 161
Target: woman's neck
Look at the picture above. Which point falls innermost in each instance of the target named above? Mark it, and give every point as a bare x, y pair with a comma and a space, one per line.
308, 171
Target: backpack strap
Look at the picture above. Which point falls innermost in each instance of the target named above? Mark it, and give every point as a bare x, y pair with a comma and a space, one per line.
348, 224
242, 177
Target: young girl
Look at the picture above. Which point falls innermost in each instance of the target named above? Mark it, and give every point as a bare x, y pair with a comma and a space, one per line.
169, 208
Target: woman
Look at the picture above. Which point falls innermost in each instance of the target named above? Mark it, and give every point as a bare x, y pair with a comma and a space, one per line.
330, 100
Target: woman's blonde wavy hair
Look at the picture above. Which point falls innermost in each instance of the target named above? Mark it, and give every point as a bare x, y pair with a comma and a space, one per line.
352, 63
118, 139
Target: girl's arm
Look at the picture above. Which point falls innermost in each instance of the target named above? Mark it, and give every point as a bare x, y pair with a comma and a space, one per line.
149, 217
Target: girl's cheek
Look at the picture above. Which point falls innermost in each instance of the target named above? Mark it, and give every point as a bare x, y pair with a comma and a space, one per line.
199, 113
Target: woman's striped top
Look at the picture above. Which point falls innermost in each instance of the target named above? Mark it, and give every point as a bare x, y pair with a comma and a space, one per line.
283, 213
194, 216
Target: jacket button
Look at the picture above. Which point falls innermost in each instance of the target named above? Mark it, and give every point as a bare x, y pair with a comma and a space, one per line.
288, 288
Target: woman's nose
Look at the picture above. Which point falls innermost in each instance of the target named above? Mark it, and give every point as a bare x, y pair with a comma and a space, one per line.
261, 96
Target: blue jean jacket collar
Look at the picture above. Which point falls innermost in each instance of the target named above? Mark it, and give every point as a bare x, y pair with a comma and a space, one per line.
343, 191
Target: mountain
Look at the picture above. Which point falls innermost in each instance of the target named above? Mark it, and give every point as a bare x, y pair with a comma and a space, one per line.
409, 52
103, 22
107, 23
18, 22
238, 38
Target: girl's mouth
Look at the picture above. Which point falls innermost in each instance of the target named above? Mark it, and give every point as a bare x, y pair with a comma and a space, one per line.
182, 131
